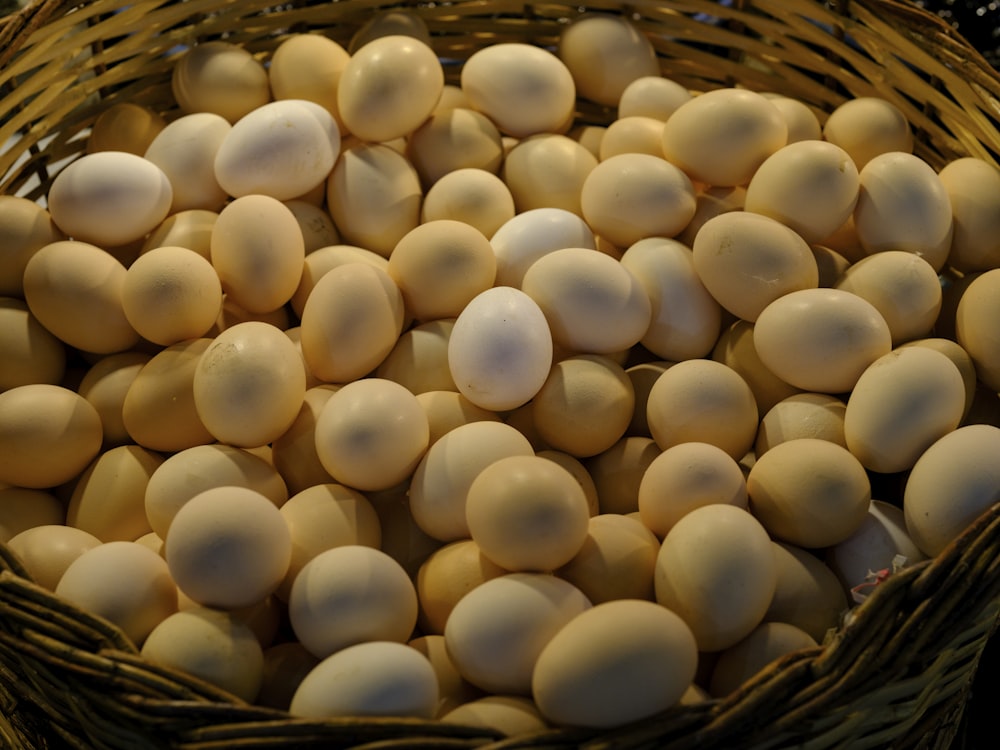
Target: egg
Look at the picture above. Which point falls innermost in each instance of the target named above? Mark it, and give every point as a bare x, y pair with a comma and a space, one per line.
547, 170
74, 289
124, 126
106, 385
185, 151
702, 401
716, 569
25, 228
123, 582
736, 349
976, 329
510, 715
747, 260
802, 415
951, 484
903, 402
809, 492
651, 96
496, 632
632, 196
351, 594
394, 22
802, 122
31, 354
48, 435
211, 645
529, 235
447, 410
524, 89
821, 339
684, 477
593, 303
448, 574
47, 550
453, 691
709, 203
618, 471
22, 509
308, 66
632, 135
473, 196
220, 77
320, 261
419, 360
959, 357
285, 666
866, 126
972, 187
808, 595
293, 454
500, 349
194, 470
371, 434
454, 139
191, 229
722, 136
767, 643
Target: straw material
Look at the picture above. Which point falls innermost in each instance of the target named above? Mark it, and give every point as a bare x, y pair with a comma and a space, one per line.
896, 675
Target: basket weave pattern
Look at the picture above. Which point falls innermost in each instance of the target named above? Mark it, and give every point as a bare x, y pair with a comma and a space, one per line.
895, 675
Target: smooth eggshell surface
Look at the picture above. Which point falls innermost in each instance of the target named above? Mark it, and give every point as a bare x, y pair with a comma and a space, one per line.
769, 641
25, 227
973, 188
185, 150
808, 595
220, 77
46, 551
976, 326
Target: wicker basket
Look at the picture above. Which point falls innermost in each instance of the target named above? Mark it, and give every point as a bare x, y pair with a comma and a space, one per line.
897, 675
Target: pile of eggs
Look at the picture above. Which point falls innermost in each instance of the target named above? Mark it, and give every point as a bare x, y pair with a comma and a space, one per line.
357, 393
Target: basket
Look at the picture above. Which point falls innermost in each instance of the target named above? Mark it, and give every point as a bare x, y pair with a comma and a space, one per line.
897, 674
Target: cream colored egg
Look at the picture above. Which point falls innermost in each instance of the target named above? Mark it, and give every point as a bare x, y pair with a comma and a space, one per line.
374, 196
702, 401
185, 150
500, 350
830, 263
618, 471
903, 402
389, 87
22, 508
617, 560
629, 197
402, 539
587, 676
588, 136
808, 594
249, 384
194, 470
419, 361
592, 303
867, 126
976, 326
158, 411
584, 406
191, 229
308, 66
528, 236
228, 547
510, 715
802, 415
220, 77
952, 484
369, 679
959, 357
579, 472
47, 550
371, 434
821, 339
109, 198
74, 289
651, 96
802, 122
632, 135
685, 318
972, 186
321, 260
107, 500
709, 203
716, 569
123, 582
496, 631
447, 410
323, 517
397, 21
684, 477
590, 42
747, 260
452, 97
809, 492
440, 266
125, 126
527, 513
903, 205
106, 385
643, 376
30, 353
522, 88
722, 136
735, 349
348, 595
48, 435
809, 186
285, 666
448, 574
547, 170
767, 643
452, 139
453, 691
25, 228
317, 226
212, 645
441, 481
474, 196
294, 452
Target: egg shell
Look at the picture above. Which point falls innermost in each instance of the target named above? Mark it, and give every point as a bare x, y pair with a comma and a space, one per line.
643, 376
123, 582
453, 691
952, 483
191, 471
618, 471
308, 66
47, 550
903, 402
547, 170
74, 289
31, 354
419, 360
315, 223
821, 339
212, 645
191, 229
48, 435
578, 471
22, 509
959, 357
453, 139
529, 235
510, 715
109, 198
802, 122
808, 595
702, 401
767, 643
747, 260
631, 196
632, 135
351, 594
500, 349
219, 77
709, 203
447, 410
866, 126
106, 384
185, 151
125, 126
651, 96
496, 632
390, 22
802, 415
320, 261
474, 196
716, 569
972, 185
448, 574
25, 228
976, 328
720, 137
294, 452
522, 88
402, 539
735, 348
809, 492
